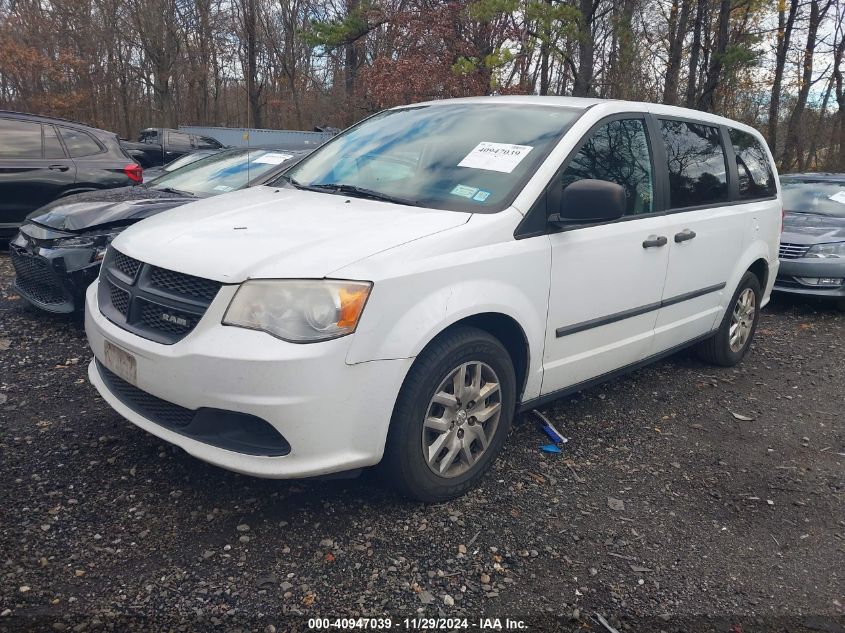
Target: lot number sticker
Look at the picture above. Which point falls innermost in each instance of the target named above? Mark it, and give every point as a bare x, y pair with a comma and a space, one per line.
501, 157
273, 158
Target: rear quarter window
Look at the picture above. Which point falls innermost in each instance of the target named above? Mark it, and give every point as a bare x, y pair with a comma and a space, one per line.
79, 143
695, 163
756, 179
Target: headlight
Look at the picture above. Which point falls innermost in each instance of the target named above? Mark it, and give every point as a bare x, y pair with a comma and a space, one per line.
97, 241
826, 251
299, 311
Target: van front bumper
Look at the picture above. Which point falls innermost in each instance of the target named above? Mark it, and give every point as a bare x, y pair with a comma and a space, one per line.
248, 402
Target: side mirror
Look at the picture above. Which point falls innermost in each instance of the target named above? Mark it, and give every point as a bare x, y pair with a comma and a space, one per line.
589, 202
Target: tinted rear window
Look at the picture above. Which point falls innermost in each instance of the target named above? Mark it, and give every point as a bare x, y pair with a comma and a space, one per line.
696, 164
79, 143
20, 139
756, 179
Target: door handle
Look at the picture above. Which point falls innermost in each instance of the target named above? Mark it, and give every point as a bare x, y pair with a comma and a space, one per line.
655, 241
684, 235
59, 167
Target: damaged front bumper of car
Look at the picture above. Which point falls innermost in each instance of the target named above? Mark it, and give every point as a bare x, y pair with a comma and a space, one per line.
54, 268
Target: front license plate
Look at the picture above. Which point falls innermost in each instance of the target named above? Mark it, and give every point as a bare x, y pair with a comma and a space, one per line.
121, 362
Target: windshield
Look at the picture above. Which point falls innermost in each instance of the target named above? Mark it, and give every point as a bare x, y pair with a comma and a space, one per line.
222, 172
814, 196
461, 157
187, 159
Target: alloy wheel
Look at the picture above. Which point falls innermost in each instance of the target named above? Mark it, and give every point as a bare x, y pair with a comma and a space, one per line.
461, 419
742, 320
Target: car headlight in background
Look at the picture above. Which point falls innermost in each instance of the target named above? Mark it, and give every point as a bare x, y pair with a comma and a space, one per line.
299, 311
826, 251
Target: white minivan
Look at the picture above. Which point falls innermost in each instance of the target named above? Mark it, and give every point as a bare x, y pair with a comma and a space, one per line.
398, 295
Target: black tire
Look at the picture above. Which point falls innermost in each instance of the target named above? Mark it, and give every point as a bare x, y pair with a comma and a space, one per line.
716, 350
404, 465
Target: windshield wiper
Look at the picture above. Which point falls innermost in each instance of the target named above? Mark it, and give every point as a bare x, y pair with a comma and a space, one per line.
827, 215
178, 192
354, 190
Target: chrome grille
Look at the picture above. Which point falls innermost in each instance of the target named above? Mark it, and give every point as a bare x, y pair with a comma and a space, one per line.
155, 303
793, 251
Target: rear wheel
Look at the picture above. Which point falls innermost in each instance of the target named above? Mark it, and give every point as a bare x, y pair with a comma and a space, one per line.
733, 338
452, 415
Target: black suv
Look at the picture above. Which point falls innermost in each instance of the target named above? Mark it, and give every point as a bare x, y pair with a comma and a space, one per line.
43, 158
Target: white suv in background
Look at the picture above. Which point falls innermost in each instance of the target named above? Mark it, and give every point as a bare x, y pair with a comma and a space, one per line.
400, 293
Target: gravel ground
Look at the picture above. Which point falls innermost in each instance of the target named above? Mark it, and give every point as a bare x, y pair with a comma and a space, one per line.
664, 511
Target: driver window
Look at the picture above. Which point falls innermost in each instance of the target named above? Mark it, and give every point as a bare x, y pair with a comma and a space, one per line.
618, 152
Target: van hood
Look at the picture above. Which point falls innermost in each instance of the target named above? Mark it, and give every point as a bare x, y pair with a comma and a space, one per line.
272, 232
113, 207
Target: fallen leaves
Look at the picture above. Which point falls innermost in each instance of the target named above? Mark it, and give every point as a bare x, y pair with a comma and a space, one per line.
741, 417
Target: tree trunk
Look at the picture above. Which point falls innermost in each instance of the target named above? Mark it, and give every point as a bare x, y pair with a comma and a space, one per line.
253, 88
837, 161
793, 149
678, 20
586, 51
785, 24
351, 61
695, 52
714, 71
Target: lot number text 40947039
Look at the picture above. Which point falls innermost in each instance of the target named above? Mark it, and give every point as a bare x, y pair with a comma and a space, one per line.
418, 624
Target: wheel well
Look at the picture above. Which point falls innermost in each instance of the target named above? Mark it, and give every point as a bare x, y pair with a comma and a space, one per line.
761, 270
511, 335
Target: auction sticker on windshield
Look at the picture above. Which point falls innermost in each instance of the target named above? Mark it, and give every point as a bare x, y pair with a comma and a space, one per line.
120, 362
501, 157
273, 158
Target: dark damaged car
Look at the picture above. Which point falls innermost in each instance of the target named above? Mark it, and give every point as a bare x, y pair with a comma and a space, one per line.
58, 251
812, 248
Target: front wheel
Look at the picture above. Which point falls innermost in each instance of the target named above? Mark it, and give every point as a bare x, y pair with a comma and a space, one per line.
452, 415
733, 338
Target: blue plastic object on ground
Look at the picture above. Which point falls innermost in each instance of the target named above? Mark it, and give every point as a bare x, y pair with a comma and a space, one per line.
550, 448
553, 434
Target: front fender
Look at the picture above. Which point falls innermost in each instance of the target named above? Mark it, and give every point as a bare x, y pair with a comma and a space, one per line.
425, 294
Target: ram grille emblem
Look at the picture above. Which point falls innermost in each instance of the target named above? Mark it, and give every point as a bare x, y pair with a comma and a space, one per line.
175, 320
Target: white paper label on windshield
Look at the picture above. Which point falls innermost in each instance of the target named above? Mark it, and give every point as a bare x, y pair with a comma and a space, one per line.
501, 157
839, 197
273, 158
222, 188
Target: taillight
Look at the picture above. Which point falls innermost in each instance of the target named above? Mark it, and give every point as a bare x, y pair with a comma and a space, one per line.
134, 172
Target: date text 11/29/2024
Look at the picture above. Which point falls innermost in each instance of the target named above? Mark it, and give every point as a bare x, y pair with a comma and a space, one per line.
418, 624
